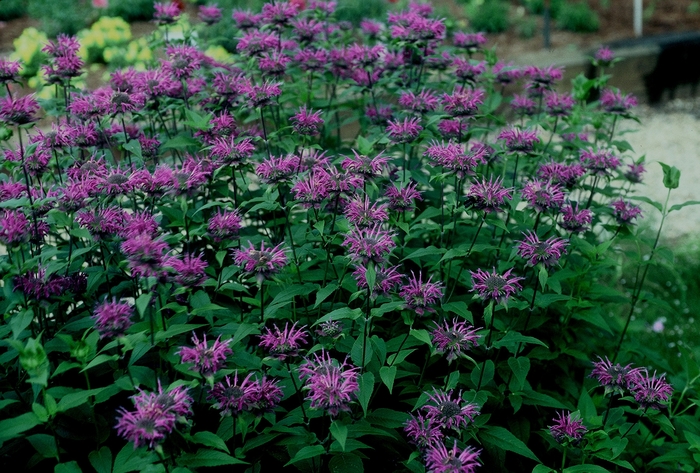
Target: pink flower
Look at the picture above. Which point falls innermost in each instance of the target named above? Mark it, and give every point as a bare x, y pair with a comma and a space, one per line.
651, 391
421, 296
455, 339
494, 286
363, 213
546, 252
439, 459
232, 399
224, 225
369, 244
263, 263
404, 131
283, 343
331, 385
615, 378
113, 318
189, 271
422, 431
448, 411
567, 428
307, 122
488, 196
206, 359
385, 279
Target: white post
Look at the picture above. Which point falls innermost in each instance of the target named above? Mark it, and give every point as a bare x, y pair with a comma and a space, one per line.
638, 18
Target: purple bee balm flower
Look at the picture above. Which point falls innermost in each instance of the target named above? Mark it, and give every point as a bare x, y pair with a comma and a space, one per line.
263, 94
9, 71
546, 252
463, 102
402, 199
468, 71
307, 122
371, 28
439, 459
615, 378
255, 42
284, 343
560, 173
420, 296
112, 318
269, 395
38, 285
617, 103
362, 213
519, 141
245, 19
273, 64
472, 42
634, 172
155, 416
599, 162
206, 359
234, 398
18, 110
574, 219
454, 339
567, 429
449, 411
166, 13
337, 182
102, 222
506, 73
263, 263
386, 279
277, 169
14, 227
488, 196
331, 385
232, 152
145, 255
604, 56
330, 328
182, 61
404, 131
422, 431
209, 14
310, 60
453, 129
278, 14
543, 196
379, 115
558, 105
651, 391
624, 212
425, 101
523, 105
189, 271
542, 79
311, 190
224, 225
139, 222
494, 286
369, 244
364, 165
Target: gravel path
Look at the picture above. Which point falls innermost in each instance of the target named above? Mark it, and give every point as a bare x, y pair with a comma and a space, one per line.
670, 134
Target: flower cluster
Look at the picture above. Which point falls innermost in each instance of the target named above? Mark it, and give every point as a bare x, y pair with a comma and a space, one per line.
331, 385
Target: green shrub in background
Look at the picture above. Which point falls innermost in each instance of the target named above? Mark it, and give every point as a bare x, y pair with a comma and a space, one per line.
537, 7
105, 32
131, 10
526, 27
577, 17
355, 11
491, 16
11, 9
59, 16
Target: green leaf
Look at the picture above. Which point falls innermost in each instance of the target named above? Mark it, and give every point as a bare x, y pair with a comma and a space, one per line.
323, 293
20, 321
75, 399
310, 451
422, 335
70, 467
647, 200
684, 204
206, 457
209, 439
500, 437
672, 176
388, 418
134, 147
346, 463
99, 359
11, 428
489, 370
520, 368
533, 398
421, 252
101, 460
366, 382
388, 374
586, 469
543, 469
459, 308
512, 339
542, 276
44, 444
340, 433
370, 276
142, 303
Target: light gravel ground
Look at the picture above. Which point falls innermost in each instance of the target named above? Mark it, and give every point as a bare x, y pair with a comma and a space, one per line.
670, 134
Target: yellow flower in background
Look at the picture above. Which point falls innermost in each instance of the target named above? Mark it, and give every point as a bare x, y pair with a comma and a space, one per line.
105, 33
28, 50
219, 54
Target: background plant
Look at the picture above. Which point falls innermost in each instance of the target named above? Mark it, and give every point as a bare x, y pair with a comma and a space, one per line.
337, 240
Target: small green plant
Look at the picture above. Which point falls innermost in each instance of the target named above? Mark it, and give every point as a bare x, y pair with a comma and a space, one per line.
131, 10
537, 7
58, 16
490, 16
578, 17
11, 9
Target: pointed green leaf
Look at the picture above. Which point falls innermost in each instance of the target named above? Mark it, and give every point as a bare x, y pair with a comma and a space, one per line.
388, 374
101, 460
340, 433
307, 452
502, 438
672, 176
366, 382
520, 368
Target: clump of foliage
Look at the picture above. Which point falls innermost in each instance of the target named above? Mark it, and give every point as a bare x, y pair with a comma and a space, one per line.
490, 16
577, 17
332, 250
11, 9
59, 16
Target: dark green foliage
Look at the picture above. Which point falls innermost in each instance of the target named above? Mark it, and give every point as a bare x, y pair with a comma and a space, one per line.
59, 16
355, 11
131, 10
578, 17
490, 17
537, 7
11, 9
